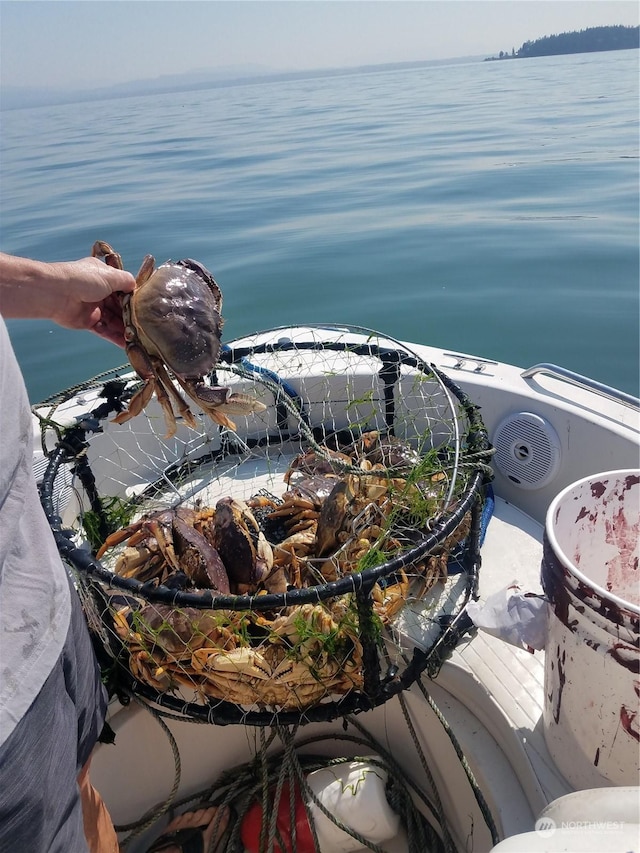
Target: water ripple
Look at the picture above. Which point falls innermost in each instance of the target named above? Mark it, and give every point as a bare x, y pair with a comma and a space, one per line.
483, 207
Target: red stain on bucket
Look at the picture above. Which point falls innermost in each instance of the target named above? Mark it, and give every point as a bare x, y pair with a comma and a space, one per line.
626, 721
627, 656
590, 576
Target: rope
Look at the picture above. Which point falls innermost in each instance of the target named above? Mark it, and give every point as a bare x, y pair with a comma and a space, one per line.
448, 841
241, 786
420, 832
482, 803
139, 826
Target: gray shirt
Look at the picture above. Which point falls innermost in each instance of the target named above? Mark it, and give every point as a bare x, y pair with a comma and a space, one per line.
34, 592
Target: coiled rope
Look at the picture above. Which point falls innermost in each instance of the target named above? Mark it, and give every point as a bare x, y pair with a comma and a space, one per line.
263, 779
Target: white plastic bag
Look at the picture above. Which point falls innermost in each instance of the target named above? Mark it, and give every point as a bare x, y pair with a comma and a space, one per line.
517, 618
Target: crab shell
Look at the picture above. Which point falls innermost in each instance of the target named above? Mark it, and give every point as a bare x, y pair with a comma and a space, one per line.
176, 315
241, 544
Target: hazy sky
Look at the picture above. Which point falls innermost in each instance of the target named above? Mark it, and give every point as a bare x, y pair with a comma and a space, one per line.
90, 43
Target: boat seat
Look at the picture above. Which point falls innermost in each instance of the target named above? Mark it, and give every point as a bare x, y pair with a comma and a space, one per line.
603, 819
615, 840
595, 805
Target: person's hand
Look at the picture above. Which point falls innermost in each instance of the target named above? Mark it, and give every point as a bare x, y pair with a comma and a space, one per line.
90, 298
84, 294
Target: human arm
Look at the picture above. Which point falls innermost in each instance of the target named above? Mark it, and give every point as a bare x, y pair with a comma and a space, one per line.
81, 294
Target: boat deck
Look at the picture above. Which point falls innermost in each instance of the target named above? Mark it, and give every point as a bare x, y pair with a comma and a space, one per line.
503, 685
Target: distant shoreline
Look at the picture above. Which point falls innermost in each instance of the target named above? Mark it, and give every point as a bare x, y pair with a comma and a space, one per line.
19, 97
591, 40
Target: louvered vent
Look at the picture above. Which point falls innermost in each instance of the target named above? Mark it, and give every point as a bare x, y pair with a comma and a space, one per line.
527, 450
62, 490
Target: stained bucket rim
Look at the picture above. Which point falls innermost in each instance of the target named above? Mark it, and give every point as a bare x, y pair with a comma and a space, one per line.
560, 552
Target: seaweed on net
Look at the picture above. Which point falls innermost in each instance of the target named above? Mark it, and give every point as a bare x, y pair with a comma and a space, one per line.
409, 457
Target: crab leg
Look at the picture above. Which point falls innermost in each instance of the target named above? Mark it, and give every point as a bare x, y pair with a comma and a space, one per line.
169, 387
293, 506
103, 250
137, 403
167, 409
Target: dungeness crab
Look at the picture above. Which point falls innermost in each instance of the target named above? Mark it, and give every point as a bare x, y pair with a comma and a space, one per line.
172, 322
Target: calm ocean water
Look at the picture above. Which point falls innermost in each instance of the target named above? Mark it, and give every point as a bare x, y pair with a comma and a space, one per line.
489, 208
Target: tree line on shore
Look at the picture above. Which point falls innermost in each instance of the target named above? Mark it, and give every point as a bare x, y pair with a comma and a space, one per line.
583, 41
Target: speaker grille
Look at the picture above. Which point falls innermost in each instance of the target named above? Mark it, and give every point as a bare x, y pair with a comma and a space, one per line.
527, 450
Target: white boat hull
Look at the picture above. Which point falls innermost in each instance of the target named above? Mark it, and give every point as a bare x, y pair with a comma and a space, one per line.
491, 693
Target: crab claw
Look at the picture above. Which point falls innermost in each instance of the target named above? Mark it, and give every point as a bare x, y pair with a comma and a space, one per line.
218, 402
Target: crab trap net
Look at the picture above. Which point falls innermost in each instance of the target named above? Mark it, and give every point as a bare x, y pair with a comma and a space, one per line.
307, 561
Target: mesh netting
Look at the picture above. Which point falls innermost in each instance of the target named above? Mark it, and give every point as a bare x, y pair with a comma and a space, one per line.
310, 562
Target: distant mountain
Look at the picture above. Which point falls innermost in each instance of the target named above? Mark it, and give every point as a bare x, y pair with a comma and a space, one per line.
189, 79
590, 40
19, 97
16, 97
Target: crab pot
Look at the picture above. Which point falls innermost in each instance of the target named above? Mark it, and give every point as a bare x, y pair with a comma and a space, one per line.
590, 576
309, 560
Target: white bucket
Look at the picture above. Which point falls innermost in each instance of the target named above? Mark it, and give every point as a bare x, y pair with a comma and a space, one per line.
591, 578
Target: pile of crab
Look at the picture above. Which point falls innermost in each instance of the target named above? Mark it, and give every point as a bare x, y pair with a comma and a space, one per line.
345, 509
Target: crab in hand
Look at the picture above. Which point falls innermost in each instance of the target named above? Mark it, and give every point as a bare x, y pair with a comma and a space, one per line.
173, 323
